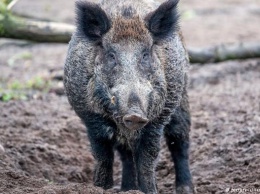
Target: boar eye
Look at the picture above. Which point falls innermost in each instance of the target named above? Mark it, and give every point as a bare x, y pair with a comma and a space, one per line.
111, 57
146, 57
146, 63
111, 61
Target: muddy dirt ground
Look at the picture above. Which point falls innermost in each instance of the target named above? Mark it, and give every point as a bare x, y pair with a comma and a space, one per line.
43, 145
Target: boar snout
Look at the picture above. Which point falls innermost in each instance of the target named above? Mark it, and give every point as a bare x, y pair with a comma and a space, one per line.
134, 121
135, 118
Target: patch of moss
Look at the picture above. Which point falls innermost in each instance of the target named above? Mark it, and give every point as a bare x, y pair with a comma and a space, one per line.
23, 55
37, 83
2, 17
6, 2
12, 95
15, 85
16, 90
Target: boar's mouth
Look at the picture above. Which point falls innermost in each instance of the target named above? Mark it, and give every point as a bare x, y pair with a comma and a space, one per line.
134, 121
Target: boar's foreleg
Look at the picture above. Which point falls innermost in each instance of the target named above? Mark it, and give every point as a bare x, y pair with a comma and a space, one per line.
100, 133
177, 138
129, 177
147, 151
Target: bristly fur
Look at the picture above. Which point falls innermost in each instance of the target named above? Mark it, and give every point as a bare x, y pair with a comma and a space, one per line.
92, 22
164, 20
129, 28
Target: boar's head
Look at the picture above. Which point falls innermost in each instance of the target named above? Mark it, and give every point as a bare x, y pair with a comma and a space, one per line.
129, 82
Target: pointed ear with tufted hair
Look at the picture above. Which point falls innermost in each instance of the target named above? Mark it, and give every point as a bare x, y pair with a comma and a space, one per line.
92, 21
164, 20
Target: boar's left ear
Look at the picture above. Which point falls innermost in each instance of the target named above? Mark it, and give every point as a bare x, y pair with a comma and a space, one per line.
92, 21
163, 20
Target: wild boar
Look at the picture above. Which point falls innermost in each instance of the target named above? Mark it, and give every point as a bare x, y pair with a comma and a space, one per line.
126, 78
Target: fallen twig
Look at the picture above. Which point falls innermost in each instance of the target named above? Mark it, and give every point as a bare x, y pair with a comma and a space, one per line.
224, 52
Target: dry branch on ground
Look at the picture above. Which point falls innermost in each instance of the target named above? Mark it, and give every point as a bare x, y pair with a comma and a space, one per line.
12, 26
224, 52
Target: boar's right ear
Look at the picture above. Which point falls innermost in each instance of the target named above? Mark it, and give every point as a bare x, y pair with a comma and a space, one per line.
92, 21
164, 20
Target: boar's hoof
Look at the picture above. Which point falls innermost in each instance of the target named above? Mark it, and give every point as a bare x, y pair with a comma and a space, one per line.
185, 190
134, 121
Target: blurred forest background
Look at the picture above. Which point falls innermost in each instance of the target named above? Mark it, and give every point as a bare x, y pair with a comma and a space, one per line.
43, 145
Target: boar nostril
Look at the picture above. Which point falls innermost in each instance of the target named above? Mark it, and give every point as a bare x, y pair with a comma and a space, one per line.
142, 122
134, 121
128, 121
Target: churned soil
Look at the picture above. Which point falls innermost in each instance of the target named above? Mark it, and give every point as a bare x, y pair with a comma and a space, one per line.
44, 147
